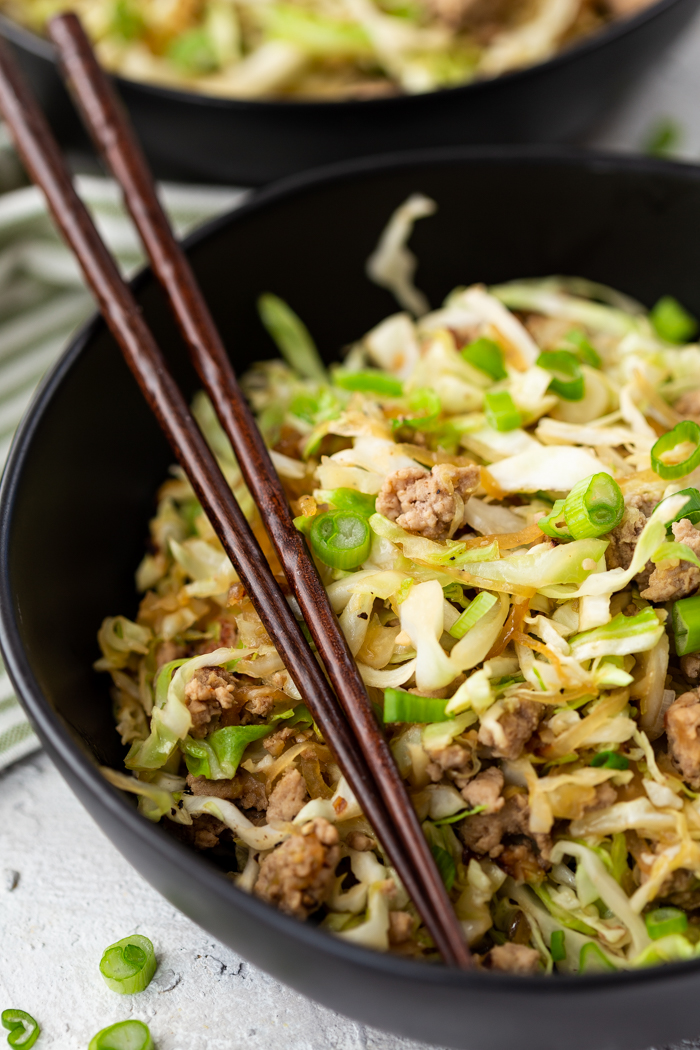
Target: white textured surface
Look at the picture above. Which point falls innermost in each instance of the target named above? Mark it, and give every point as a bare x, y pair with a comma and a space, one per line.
76, 894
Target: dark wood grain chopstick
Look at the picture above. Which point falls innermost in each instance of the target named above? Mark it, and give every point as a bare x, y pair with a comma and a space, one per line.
43, 160
111, 130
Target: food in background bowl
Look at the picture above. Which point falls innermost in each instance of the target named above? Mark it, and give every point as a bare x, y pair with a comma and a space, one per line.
326, 48
500, 498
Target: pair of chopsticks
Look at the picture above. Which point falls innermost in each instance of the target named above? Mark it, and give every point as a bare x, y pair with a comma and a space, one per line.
356, 739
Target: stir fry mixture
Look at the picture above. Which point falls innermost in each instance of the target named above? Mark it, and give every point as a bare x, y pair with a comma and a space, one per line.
501, 498
330, 49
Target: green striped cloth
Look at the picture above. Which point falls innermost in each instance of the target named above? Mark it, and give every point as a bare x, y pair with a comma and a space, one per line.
43, 300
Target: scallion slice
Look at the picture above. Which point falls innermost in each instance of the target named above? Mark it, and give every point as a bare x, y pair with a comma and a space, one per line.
125, 1035
487, 356
663, 921
292, 337
685, 431
557, 945
554, 523
594, 507
400, 706
691, 510
24, 1030
371, 381
349, 499
610, 760
501, 412
128, 965
685, 617
567, 377
340, 538
478, 608
672, 321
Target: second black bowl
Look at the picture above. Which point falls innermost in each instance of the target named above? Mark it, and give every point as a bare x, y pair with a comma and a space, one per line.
79, 489
197, 137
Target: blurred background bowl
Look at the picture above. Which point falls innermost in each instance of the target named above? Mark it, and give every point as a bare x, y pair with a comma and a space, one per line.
81, 483
196, 137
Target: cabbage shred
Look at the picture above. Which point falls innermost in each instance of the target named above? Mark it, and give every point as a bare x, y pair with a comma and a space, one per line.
558, 808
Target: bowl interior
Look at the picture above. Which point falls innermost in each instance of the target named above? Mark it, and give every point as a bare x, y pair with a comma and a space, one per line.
79, 489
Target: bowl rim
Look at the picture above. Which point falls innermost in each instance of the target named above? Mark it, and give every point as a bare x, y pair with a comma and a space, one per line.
33, 42
67, 753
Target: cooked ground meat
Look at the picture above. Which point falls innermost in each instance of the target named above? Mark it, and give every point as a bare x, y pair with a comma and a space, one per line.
298, 874
288, 797
623, 538
512, 958
356, 840
244, 788
605, 795
400, 927
521, 862
451, 757
428, 504
275, 742
681, 889
209, 692
517, 722
168, 651
688, 405
670, 581
256, 700
483, 832
202, 833
683, 732
228, 635
690, 666
485, 790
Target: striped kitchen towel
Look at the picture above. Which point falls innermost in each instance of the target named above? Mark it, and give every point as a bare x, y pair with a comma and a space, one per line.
43, 301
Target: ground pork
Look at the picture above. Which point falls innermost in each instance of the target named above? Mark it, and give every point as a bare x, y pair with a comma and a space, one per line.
670, 581
683, 732
521, 862
623, 538
228, 636
297, 876
428, 504
209, 692
244, 788
483, 832
359, 841
400, 927
257, 701
681, 889
166, 652
512, 958
202, 833
275, 742
288, 797
517, 722
690, 666
688, 405
485, 790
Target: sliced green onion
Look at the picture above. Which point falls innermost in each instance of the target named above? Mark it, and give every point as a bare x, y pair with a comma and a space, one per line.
672, 321
371, 381
24, 1030
684, 431
193, 52
426, 407
618, 855
125, 1035
554, 523
446, 866
685, 617
592, 960
487, 356
128, 965
459, 816
557, 945
583, 349
478, 608
691, 510
454, 592
349, 499
501, 412
663, 921
292, 337
594, 507
340, 538
609, 760
567, 377
400, 706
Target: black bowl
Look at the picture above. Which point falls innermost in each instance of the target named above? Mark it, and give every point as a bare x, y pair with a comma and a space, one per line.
79, 488
195, 137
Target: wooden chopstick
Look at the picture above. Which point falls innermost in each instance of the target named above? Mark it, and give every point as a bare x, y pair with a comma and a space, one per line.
43, 160
111, 130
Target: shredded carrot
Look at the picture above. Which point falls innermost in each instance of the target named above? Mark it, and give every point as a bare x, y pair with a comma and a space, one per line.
512, 626
539, 647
